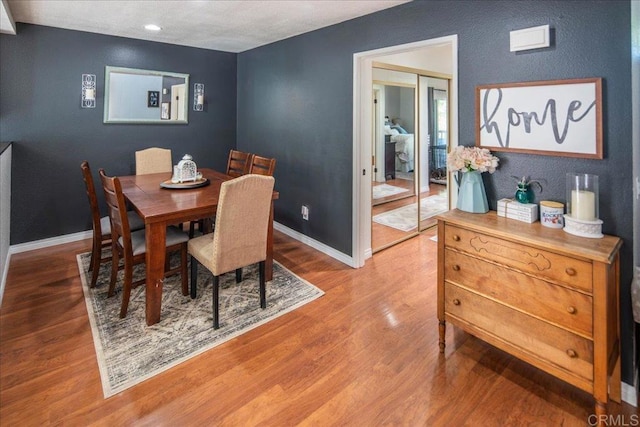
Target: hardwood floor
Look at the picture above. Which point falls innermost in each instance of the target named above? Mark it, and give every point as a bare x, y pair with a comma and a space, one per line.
364, 354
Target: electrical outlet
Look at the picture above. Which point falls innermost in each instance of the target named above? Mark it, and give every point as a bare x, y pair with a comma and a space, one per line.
305, 212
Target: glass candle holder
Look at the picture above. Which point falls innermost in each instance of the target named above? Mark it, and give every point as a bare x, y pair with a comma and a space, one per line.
583, 196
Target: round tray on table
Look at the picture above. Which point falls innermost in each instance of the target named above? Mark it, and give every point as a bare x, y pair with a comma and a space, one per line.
184, 185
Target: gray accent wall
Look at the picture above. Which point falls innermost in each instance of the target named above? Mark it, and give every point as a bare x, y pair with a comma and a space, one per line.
295, 101
40, 85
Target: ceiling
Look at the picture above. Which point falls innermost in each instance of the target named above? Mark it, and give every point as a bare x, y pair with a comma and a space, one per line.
224, 25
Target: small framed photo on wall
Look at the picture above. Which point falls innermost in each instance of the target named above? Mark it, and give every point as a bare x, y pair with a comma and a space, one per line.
153, 98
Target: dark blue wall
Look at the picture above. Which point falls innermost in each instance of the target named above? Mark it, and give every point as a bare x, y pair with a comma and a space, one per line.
40, 85
295, 103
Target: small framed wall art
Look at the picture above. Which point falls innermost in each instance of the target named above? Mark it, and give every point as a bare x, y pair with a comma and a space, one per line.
556, 117
153, 98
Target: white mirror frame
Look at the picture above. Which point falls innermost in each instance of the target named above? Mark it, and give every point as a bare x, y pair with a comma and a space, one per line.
183, 103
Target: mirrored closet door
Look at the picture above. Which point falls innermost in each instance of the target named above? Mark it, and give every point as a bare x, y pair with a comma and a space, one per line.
410, 143
395, 156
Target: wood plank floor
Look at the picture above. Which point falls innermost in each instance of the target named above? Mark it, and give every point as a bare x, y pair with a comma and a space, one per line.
364, 354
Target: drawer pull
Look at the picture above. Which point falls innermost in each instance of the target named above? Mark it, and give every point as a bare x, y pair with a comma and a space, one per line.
571, 310
456, 238
456, 301
572, 353
456, 267
570, 271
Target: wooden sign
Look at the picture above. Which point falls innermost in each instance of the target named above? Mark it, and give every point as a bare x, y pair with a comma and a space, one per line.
557, 118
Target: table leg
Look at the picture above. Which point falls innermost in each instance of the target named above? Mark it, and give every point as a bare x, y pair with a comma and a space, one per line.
269, 261
156, 243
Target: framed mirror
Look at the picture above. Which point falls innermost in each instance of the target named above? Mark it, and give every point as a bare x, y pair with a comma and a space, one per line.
144, 96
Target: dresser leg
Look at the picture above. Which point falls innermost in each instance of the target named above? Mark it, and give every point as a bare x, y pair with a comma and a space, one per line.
601, 413
442, 328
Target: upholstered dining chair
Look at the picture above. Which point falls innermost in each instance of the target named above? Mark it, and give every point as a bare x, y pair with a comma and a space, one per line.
239, 163
101, 225
262, 165
153, 160
240, 236
132, 245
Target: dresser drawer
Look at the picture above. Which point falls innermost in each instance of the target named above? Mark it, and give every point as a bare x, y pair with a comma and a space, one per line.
555, 304
548, 343
570, 271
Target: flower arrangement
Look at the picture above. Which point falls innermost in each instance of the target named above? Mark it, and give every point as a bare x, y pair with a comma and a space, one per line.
468, 159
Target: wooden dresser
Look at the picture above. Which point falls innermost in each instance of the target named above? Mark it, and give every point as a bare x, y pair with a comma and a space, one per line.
540, 294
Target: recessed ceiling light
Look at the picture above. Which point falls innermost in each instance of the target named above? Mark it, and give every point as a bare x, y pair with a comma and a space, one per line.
152, 27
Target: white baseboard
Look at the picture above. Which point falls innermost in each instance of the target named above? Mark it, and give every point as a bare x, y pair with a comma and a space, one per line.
5, 271
39, 244
368, 253
629, 394
52, 241
325, 249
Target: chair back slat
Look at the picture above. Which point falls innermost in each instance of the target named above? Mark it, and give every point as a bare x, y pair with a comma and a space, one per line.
93, 199
117, 210
239, 163
262, 165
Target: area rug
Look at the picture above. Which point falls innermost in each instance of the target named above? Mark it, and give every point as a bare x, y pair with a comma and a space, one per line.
404, 218
386, 190
129, 351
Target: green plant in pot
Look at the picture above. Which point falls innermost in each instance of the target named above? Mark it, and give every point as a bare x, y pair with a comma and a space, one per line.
524, 192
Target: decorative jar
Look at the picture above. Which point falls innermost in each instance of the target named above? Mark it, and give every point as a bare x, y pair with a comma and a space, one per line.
187, 170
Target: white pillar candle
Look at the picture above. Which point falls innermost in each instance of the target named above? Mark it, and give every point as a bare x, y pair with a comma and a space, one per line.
200, 99
90, 94
583, 205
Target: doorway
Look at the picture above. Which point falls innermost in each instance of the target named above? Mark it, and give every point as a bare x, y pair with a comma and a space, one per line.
442, 55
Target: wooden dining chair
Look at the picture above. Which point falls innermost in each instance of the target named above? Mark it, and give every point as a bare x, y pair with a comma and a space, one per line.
153, 160
132, 245
239, 163
101, 225
240, 236
262, 165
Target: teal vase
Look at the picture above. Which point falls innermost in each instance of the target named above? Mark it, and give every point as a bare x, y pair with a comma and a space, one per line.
524, 194
471, 195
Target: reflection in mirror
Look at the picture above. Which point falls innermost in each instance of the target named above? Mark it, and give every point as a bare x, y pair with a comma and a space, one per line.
395, 207
434, 141
144, 96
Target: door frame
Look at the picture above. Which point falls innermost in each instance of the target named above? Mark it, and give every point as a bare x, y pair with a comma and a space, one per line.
362, 136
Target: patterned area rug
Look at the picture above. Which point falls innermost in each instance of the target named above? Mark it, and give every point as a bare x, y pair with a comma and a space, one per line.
130, 352
386, 190
404, 218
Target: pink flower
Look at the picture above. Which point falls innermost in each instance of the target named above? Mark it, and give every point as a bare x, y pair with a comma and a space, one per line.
468, 159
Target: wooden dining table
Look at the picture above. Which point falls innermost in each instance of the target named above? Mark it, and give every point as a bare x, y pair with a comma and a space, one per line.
160, 207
